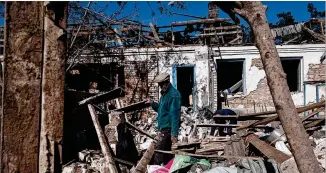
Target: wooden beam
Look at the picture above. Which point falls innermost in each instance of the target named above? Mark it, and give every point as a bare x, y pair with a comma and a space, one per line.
139, 130
20, 121
274, 118
127, 122
53, 87
219, 33
144, 161
215, 156
234, 40
223, 27
313, 114
226, 116
133, 107
201, 21
155, 33
187, 15
118, 38
100, 98
227, 125
260, 122
240, 118
152, 38
316, 35
267, 150
314, 123
293, 39
103, 142
299, 110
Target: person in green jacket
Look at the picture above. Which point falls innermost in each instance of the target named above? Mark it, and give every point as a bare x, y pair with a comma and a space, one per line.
168, 118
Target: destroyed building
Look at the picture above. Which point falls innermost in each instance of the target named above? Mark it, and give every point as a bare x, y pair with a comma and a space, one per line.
220, 72
301, 63
110, 67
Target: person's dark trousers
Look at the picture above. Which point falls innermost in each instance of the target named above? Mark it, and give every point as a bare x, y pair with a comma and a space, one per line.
163, 143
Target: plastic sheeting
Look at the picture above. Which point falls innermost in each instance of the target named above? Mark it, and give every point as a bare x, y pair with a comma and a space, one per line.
181, 161
280, 145
222, 170
250, 166
157, 169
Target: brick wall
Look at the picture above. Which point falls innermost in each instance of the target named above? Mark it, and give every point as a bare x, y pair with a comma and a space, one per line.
138, 81
316, 72
257, 62
259, 99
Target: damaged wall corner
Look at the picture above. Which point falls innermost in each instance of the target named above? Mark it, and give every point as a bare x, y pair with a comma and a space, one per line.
53, 77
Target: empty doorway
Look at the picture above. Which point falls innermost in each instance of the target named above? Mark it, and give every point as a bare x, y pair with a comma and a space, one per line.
184, 81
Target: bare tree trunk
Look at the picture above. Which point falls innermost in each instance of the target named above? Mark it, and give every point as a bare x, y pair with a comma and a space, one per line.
22, 87
254, 13
53, 78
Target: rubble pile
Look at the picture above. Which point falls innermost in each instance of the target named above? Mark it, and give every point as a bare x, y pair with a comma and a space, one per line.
258, 147
187, 131
208, 157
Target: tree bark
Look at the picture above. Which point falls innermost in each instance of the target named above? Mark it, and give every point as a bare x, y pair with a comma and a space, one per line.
255, 14
53, 78
22, 87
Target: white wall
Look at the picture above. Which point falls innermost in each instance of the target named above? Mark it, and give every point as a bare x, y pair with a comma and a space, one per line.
192, 55
197, 55
310, 54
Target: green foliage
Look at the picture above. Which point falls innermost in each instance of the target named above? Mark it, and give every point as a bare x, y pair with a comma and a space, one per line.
2, 9
285, 19
314, 13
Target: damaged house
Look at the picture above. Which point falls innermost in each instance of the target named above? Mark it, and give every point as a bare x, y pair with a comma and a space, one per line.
75, 99
219, 73
192, 71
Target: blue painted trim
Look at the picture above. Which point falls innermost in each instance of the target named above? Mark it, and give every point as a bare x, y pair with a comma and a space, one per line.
305, 94
317, 93
231, 60
174, 75
304, 97
244, 87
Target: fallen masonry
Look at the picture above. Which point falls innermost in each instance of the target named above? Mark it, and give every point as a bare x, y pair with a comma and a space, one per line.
256, 143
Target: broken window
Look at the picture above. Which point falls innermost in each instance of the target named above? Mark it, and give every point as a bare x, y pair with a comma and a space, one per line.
229, 73
291, 67
1, 47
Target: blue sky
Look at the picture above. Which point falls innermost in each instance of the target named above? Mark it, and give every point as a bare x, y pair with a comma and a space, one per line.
199, 8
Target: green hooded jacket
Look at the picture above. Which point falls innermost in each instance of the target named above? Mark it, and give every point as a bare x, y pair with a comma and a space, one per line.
168, 110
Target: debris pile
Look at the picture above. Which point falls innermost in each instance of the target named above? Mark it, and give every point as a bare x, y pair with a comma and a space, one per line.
260, 146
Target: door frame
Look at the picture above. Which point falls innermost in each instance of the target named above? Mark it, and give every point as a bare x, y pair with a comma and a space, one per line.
175, 81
